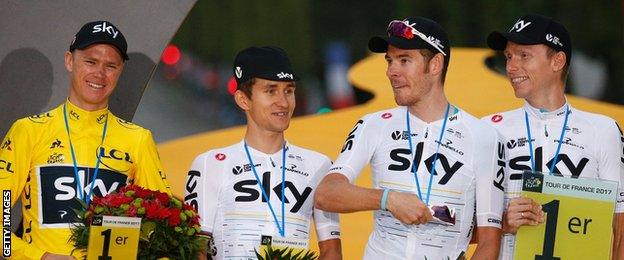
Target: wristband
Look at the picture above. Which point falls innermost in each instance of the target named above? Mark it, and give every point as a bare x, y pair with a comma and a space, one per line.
384, 199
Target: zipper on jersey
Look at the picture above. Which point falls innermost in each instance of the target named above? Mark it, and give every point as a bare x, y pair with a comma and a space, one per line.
546, 130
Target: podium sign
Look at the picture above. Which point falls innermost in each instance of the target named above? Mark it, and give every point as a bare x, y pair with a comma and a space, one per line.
578, 220
298, 246
112, 237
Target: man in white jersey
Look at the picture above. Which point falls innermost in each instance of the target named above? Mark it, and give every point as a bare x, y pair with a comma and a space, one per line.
425, 153
262, 185
565, 141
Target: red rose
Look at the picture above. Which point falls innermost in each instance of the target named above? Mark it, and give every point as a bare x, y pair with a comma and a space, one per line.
151, 209
163, 198
174, 217
142, 193
116, 201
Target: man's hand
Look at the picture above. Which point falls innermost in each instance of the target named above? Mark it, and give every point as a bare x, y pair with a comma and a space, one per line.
522, 212
408, 208
50, 256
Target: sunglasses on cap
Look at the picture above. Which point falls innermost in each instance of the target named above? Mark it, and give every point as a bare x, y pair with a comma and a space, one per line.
403, 29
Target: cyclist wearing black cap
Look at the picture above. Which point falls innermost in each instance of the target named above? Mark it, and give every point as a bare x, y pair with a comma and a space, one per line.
77, 150
547, 134
262, 188
434, 166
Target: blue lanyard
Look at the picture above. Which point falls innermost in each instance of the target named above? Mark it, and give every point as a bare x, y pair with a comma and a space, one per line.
282, 228
73, 154
528, 128
435, 157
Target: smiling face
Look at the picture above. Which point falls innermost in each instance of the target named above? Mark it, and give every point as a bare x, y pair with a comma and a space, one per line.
94, 72
531, 70
270, 106
409, 74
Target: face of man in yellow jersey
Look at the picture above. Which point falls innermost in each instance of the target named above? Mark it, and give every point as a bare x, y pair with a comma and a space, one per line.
95, 61
94, 72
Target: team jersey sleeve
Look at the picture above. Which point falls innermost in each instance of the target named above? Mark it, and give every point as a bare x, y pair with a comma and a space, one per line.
611, 159
15, 160
149, 172
490, 166
203, 188
327, 224
357, 150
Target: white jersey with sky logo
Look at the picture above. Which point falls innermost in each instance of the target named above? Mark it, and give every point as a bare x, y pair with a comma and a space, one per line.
468, 178
591, 148
222, 186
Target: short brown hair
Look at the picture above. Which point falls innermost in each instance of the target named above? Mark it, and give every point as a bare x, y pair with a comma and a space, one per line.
245, 87
428, 55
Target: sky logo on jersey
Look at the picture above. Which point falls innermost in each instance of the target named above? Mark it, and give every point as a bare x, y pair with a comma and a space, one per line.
192, 181
6, 223
251, 191
402, 158
523, 163
57, 190
500, 174
349, 142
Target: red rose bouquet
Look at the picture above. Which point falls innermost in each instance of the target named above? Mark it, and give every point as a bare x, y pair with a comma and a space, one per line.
169, 228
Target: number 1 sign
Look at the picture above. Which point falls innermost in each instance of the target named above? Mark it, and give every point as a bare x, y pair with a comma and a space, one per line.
113, 237
579, 217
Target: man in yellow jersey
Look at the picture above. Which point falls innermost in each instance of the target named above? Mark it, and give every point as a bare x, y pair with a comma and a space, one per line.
75, 151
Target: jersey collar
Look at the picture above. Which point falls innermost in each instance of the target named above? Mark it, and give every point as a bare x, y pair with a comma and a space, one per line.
546, 115
455, 115
253, 151
81, 116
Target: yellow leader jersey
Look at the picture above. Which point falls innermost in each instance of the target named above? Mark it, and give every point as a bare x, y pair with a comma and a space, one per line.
36, 166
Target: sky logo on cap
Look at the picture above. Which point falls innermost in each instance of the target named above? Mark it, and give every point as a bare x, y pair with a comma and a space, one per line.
519, 26
107, 29
283, 75
238, 71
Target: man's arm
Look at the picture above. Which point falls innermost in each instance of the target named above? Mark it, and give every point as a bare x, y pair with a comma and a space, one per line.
489, 243
610, 143
336, 194
330, 249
